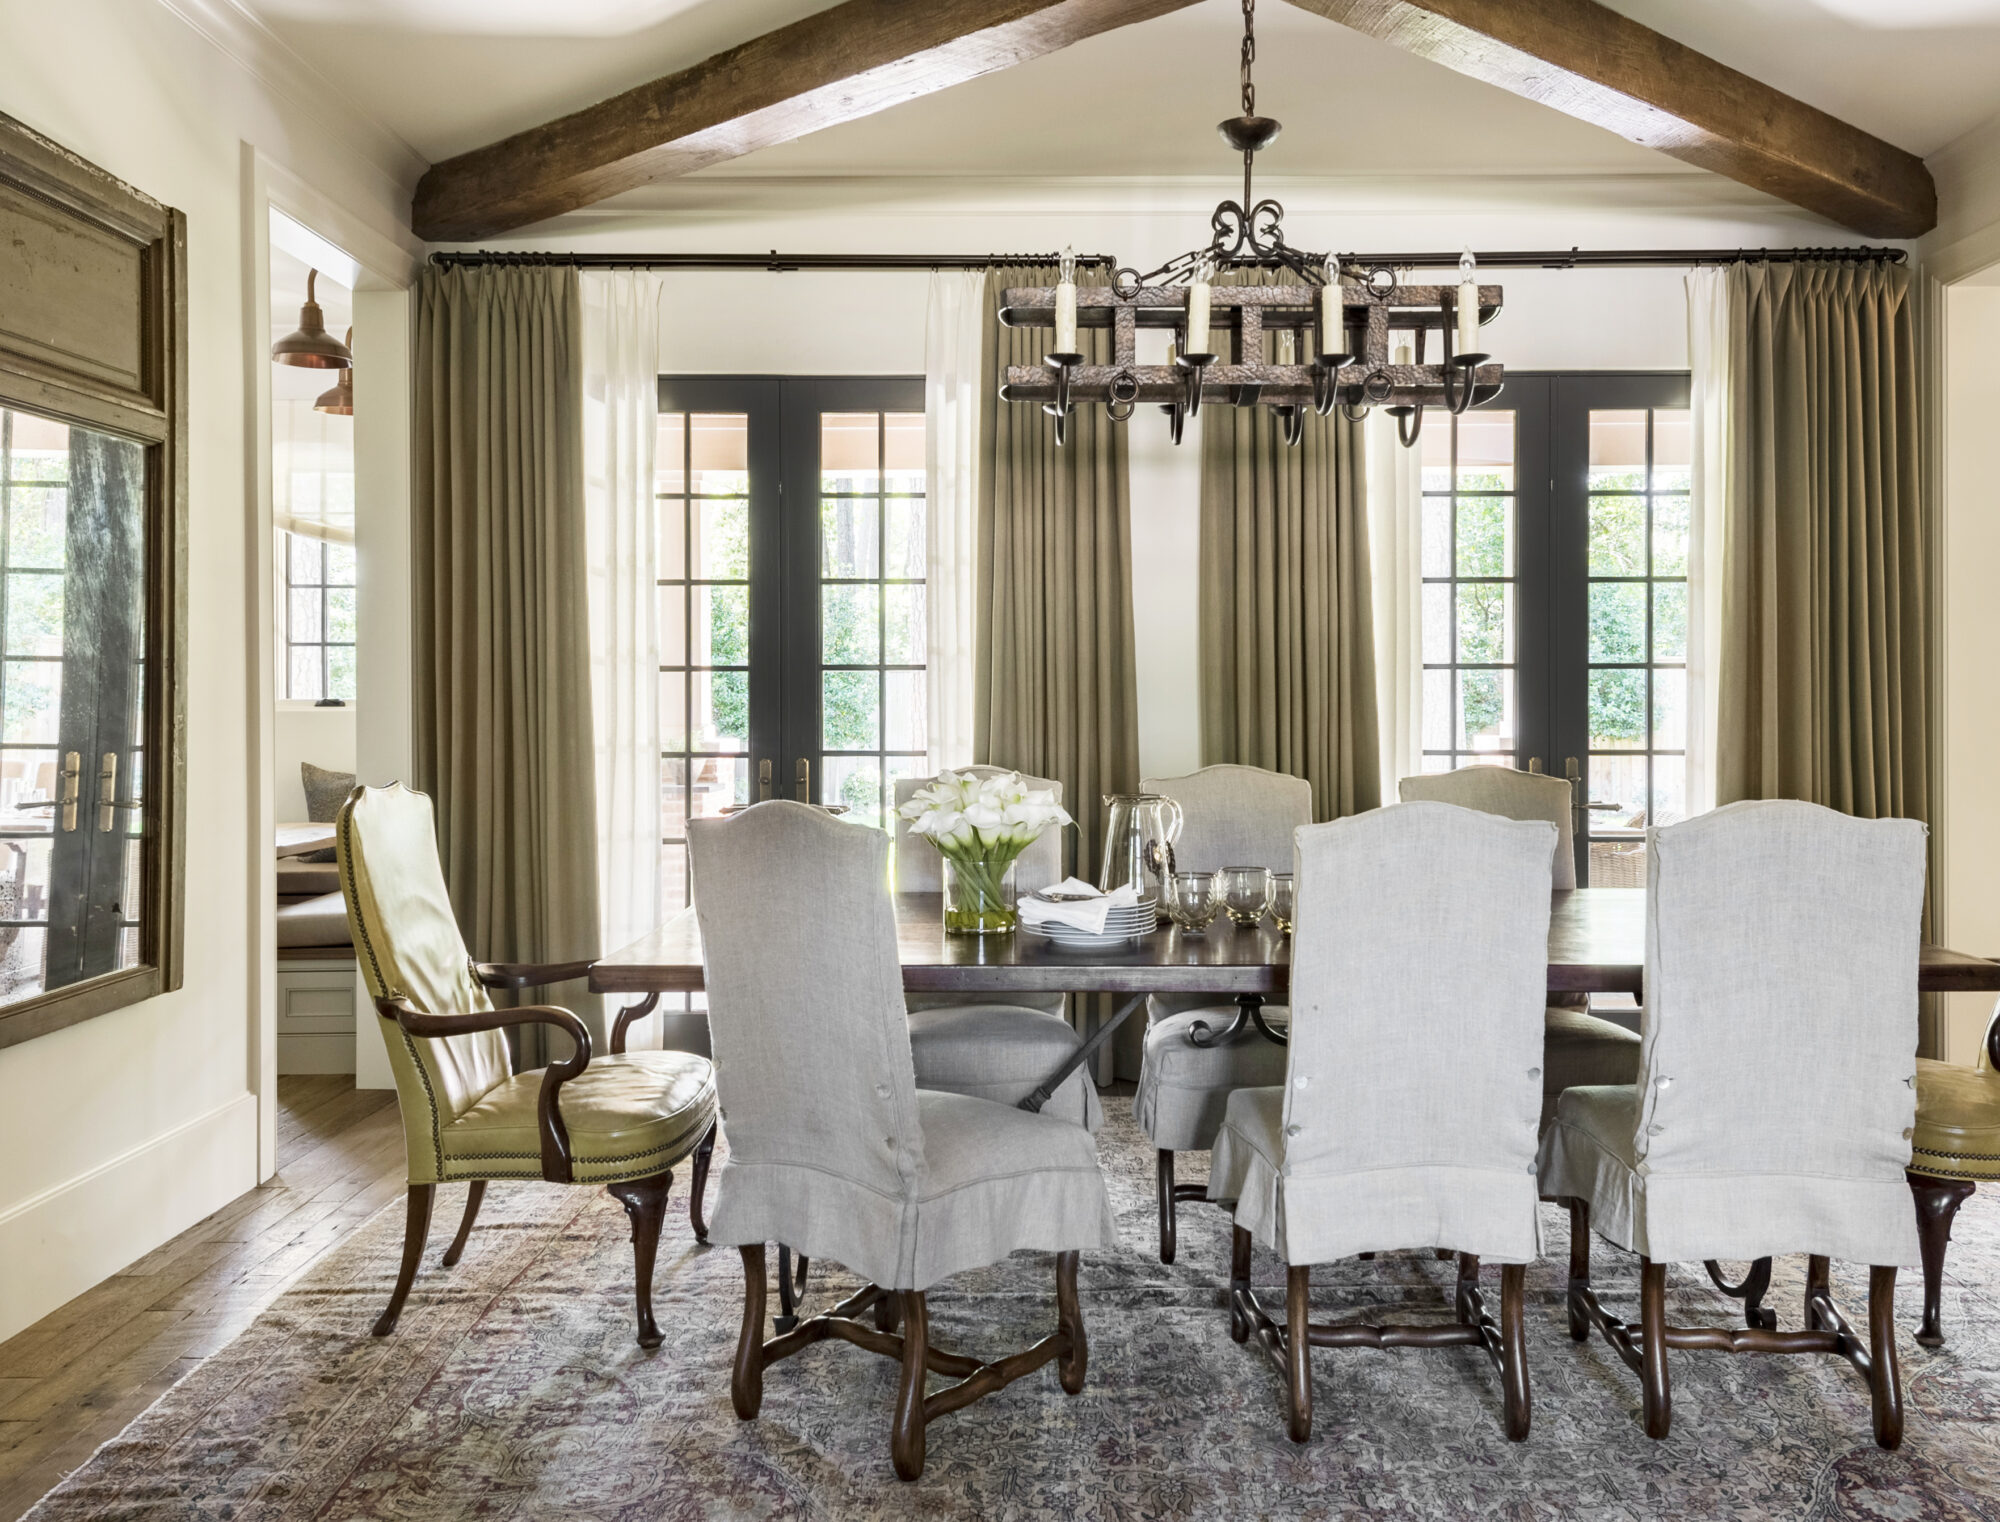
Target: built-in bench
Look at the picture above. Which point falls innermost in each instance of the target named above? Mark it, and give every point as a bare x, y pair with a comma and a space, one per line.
315, 971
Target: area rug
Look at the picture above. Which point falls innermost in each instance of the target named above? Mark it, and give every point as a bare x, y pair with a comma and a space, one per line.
514, 1389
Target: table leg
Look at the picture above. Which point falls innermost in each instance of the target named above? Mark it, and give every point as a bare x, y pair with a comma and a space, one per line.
1081, 1055
1249, 1016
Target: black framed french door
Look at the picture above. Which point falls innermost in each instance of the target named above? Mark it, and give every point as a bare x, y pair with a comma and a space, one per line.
790, 532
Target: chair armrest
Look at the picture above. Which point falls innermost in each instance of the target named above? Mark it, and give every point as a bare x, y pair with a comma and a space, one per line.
548, 1115
518, 975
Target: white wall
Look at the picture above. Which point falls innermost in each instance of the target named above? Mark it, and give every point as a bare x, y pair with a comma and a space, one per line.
121, 1131
322, 736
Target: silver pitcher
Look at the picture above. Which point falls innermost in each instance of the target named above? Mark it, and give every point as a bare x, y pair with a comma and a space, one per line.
1139, 834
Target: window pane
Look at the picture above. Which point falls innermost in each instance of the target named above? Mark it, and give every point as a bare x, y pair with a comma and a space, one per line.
673, 798
721, 625
1485, 710
721, 710
1617, 621
1617, 710
850, 717
1437, 623
340, 615
905, 725
1618, 536
847, 536
669, 453
720, 442
1618, 863
1620, 780
1437, 536
670, 612
1670, 615
673, 879
1673, 450
1485, 622
903, 610
849, 632
903, 452
340, 672
1618, 450
34, 616
722, 541
857, 782
303, 624
850, 452
670, 518
340, 565
305, 562
719, 782
673, 710
1670, 536
37, 529
1485, 536
1670, 708
304, 681
1669, 789
1437, 710
905, 551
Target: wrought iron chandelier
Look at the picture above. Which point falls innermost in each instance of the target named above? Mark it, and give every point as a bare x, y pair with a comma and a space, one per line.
1349, 314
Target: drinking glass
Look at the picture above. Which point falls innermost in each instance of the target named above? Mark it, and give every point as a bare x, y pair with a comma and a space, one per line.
1281, 901
1246, 893
1191, 900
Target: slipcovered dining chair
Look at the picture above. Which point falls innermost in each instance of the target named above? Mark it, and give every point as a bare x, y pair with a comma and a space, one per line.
623, 1120
1772, 927
1577, 1047
832, 1146
1956, 1148
1232, 816
970, 1043
1421, 928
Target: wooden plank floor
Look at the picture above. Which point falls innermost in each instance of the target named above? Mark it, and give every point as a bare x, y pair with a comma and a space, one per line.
72, 1381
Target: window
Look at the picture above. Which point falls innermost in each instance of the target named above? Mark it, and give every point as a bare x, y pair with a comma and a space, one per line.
1555, 547
319, 618
312, 467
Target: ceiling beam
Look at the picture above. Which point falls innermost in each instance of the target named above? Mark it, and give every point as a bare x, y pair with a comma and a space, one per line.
1589, 62
851, 61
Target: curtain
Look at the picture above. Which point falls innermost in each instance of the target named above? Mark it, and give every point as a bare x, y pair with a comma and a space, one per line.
1708, 362
1823, 669
954, 329
501, 686
1054, 687
621, 405
1395, 592
1288, 639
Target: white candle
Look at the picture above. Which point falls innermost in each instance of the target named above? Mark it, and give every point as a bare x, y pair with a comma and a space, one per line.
1197, 310
1468, 305
1066, 305
1332, 311
1403, 355
1288, 347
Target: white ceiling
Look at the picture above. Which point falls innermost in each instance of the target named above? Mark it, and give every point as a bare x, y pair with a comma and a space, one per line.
449, 75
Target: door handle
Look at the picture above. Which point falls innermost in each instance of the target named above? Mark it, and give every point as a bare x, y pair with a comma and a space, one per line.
804, 790
764, 780
108, 801
72, 787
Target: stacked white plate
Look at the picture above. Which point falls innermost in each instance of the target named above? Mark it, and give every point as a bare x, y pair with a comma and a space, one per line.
1121, 926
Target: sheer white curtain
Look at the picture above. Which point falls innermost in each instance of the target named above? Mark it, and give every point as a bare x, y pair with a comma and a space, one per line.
621, 368
952, 344
1708, 362
1395, 581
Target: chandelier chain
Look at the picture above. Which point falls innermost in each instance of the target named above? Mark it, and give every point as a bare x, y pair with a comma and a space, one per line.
1249, 56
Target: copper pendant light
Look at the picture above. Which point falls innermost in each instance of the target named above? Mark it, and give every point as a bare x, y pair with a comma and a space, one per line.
339, 398
311, 346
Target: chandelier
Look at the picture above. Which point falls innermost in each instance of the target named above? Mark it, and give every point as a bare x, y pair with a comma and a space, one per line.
1344, 335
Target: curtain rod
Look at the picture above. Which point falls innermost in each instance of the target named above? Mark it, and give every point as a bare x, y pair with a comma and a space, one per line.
1558, 259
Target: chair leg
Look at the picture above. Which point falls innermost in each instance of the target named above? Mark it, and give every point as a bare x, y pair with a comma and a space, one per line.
1069, 1321
1657, 1391
888, 1312
1579, 1269
416, 1229
1885, 1383
645, 1201
906, 1436
1519, 1403
474, 1193
1298, 1350
698, 1184
1816, 1286
746, 1380
1167, 1223
1239, 1282
1937, 1201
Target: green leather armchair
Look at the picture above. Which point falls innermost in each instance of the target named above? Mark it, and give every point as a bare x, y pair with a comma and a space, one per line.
622, 1120
1955, 1147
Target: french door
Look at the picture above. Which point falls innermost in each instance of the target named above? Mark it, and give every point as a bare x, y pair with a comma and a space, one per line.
791, 603
1555, 545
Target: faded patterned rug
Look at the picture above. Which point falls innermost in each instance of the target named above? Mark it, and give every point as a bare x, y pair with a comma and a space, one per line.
513, 1389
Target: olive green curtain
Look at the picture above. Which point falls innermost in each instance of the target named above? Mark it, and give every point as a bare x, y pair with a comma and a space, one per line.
1287, 621
1055, 693
502, 731
1823, 690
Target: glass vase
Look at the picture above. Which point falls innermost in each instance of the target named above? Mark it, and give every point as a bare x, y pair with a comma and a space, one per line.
979, 898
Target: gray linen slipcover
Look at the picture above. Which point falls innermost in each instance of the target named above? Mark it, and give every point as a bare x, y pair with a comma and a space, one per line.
1234, 816
974, 1043
1421, 950
1777, 1092
833, 1150
1577, 1047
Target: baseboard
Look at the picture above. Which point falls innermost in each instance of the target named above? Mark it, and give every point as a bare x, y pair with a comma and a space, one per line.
57, 1244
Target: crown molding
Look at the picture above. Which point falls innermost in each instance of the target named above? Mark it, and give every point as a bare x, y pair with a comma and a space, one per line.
234, 30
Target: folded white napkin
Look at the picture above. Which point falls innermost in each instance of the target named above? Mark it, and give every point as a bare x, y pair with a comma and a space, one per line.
1088, 915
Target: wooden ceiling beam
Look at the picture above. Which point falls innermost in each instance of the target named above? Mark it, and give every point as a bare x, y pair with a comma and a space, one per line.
851, 61
1589, 62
